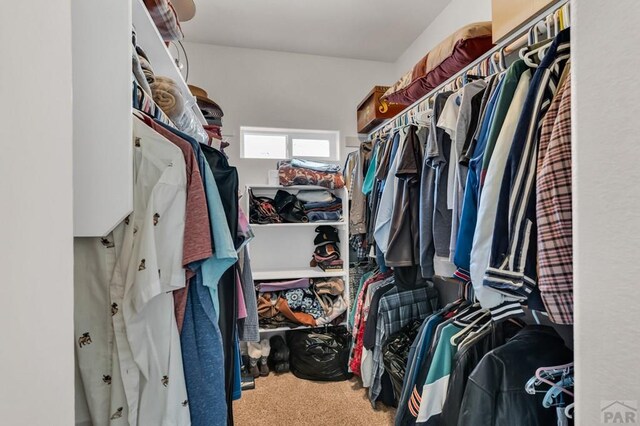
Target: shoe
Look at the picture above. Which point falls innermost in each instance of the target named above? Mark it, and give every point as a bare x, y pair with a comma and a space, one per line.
264, 368
253, 368
279, 349
281, 367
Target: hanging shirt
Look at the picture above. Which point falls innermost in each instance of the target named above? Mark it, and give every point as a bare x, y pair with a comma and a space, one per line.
509, 85
513, 264
435, 388
469, 215
385, 209
396, 309
554, 209
487, 208
197, 232
224, 254
448, 122
468, 115
409, 400
155, 234
403, 248
148, 266
96, 352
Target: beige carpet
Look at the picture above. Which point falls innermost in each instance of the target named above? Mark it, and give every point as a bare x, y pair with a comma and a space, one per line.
286, 400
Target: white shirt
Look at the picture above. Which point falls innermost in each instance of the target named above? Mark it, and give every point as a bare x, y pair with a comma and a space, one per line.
154, 271
145, 266
96, 353
487, 209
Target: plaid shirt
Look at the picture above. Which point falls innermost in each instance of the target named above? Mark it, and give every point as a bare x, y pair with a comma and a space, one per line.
396, 309
553, 209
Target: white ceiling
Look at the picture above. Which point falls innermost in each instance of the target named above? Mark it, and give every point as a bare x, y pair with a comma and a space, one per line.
361, 29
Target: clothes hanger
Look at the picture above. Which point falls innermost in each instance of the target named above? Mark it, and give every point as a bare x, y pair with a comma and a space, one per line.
543, 374
557, 390
464, 331
569, 409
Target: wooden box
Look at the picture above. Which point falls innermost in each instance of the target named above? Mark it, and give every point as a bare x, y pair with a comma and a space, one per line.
507, 15
373, 111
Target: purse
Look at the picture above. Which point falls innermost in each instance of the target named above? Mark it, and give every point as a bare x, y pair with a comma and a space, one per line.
262, 210
331, 286
289, 207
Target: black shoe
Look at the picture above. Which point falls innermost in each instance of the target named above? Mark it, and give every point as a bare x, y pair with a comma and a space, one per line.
281, 367
279, 349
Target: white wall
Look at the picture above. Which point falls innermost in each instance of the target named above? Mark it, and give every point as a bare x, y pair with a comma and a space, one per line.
276, 89
457, 14
606, 203
36, 251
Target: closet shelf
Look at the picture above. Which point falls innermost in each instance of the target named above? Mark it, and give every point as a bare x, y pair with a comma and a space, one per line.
161, 60
293, 187
296, 225
302, 327
297, 273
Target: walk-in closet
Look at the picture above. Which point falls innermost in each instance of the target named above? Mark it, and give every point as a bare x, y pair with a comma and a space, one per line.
420, 212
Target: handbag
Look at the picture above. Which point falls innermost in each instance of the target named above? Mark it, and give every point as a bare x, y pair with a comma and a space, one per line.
331, 286
262, 210
289, 207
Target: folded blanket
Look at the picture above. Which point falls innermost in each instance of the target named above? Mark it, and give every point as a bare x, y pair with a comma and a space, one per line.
168, 97
315, 165
290, 175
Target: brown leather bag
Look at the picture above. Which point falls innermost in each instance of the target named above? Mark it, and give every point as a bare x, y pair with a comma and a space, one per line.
297, 317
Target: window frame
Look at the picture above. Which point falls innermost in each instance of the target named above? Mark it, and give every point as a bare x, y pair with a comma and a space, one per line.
333, 136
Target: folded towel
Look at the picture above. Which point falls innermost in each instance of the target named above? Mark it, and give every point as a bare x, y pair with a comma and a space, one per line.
147, 69
168, 97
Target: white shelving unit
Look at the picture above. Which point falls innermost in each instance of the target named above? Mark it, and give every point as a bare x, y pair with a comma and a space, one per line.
282, 251
102, 121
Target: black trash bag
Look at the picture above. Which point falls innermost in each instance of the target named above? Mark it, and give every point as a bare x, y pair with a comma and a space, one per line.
395, 352
319, 354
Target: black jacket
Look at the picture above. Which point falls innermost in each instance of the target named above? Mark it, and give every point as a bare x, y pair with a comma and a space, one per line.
495, 394
465, 362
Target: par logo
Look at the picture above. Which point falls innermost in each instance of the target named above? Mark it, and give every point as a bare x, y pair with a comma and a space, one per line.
619, 412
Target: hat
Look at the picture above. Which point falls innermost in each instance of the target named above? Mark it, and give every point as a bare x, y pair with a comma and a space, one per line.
209, 108
185, 9
326, 234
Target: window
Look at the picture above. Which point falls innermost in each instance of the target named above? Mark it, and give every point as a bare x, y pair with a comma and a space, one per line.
283, 144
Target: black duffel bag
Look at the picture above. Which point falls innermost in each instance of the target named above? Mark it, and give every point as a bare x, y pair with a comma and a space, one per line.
319, 354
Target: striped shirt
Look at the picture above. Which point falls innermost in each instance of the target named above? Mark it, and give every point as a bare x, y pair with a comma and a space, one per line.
513, 262
553, 209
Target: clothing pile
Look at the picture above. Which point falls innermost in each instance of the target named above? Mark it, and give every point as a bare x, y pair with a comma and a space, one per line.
327, 253
310, 302
286, 207
305, 172
321, 206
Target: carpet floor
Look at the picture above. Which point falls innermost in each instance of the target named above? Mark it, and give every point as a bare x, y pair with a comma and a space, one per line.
286, 400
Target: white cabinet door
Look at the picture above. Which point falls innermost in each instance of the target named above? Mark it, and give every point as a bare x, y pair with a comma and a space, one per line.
102, 146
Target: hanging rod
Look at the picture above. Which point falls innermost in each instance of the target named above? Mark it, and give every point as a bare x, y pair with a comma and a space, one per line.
516, 37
